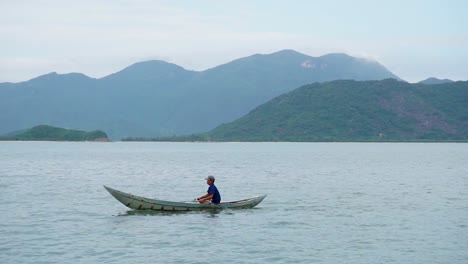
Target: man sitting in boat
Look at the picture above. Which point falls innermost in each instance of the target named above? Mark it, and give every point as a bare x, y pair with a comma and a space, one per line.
212, 193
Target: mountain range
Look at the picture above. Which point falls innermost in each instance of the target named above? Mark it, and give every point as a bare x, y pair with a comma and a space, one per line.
156, 98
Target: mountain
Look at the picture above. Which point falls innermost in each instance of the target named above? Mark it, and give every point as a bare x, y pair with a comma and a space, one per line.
156, 98
229, 91
49, 133
433, 80
387, 110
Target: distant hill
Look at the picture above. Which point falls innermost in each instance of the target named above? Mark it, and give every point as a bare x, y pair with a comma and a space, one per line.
156, 98
387, 110
433, 80
50, 133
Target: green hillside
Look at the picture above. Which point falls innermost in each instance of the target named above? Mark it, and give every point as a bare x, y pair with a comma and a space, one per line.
50, 133
387, 110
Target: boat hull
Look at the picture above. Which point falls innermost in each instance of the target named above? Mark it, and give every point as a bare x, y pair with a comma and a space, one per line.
142, 203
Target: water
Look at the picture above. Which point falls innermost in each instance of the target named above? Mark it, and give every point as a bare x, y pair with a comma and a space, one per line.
327, 203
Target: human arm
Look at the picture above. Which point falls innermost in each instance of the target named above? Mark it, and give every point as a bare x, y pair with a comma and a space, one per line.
206, 197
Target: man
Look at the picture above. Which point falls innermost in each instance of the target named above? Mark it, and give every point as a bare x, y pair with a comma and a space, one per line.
212, 193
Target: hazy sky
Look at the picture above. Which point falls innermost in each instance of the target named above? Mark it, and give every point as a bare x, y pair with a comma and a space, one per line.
413, 39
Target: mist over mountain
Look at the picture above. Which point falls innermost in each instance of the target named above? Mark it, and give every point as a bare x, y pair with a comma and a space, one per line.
156, 98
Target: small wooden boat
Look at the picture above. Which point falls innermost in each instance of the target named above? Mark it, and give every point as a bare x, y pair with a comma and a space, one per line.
142, 203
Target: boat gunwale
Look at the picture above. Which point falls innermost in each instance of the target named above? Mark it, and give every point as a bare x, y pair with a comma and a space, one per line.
247, 202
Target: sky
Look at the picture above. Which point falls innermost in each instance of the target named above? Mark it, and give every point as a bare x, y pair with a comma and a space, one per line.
413, 39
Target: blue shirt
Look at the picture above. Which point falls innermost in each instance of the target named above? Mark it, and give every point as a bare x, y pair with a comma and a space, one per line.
216, 196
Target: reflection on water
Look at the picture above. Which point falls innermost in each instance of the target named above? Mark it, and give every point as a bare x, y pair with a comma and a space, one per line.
211, 213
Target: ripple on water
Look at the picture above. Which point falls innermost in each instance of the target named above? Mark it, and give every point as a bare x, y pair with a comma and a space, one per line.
374, 207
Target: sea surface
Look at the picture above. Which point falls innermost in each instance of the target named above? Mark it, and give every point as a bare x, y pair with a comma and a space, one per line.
326, 203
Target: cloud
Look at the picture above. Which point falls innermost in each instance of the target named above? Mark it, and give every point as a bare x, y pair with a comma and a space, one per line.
100, 37
52, 36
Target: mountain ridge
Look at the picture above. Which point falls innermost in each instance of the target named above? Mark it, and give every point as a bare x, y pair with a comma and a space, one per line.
157, 98
433, 80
